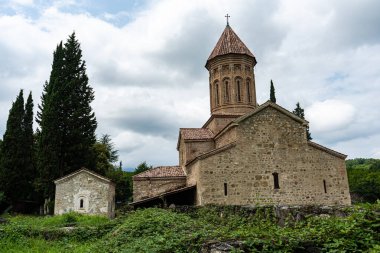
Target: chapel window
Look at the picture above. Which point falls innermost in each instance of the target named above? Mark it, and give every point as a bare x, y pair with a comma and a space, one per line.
276, 181
216, 94
324, 186
249, 91
238, 90
226, 92
225, 189
81, 203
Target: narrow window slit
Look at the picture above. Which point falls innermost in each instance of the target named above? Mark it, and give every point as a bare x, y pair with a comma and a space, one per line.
324, 186
276, 181
225, 189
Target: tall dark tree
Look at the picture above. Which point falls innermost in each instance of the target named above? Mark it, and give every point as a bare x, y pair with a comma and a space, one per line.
272, 92
16, 165
67, 122
299, 111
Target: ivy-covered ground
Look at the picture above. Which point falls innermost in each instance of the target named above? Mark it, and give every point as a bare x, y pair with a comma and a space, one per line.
189, 230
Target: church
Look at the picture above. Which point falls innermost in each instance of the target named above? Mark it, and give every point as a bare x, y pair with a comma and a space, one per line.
245, 153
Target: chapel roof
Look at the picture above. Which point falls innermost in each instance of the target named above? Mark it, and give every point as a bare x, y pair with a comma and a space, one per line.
161, 171
229, 43
196, 133
82, 170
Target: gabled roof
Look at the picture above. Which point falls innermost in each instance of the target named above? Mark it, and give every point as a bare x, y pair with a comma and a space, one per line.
327, 150
229, 43
194, 134
161, 172
82, 170
258, 109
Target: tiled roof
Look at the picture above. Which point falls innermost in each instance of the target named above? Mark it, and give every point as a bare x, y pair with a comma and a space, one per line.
162, 171
229, 43
196, 133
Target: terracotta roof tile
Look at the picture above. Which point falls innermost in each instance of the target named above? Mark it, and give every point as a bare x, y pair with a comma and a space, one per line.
229, 43
162, 171
196, 133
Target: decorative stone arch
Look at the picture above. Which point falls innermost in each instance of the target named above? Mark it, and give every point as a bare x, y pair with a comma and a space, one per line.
238, 89
226, 90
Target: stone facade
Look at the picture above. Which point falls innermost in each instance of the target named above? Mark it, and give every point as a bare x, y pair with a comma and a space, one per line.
247, 154
267, 142
85, 192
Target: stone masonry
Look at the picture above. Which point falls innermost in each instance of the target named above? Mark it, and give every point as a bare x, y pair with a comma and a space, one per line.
85, 192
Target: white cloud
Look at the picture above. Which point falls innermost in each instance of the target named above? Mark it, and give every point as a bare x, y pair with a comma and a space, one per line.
151, 69
330, 115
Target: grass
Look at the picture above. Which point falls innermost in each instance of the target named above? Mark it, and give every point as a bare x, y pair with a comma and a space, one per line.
160, 230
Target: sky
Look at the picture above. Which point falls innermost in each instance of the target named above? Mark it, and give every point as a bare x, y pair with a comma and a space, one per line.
145, 61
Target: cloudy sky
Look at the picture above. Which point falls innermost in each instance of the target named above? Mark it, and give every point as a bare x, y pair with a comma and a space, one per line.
145, 61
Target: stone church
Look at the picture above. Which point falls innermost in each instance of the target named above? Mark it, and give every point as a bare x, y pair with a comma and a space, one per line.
245, 153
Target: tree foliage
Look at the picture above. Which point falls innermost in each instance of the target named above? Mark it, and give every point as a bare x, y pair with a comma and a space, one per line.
142, 167
299, 111
364, 179
272, 92
66, 121
16, 164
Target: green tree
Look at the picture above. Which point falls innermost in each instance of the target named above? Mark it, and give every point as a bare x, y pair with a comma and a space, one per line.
299, 111
364, 179
16, 166
272, 92
142, 167
67, 123
105, 155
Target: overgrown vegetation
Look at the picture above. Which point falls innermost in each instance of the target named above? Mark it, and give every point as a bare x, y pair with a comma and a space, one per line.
188, 230
364, 179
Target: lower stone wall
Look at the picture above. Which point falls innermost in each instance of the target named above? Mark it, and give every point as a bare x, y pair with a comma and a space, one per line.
150, 187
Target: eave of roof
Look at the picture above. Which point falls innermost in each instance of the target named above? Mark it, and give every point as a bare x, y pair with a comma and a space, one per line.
162, 172
327, 150
80, 171
163, 195
206, 135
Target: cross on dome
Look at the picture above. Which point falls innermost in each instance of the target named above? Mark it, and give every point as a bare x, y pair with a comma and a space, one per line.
227, 16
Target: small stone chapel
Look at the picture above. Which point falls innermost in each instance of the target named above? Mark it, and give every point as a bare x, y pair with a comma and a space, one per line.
245, 153
85, 191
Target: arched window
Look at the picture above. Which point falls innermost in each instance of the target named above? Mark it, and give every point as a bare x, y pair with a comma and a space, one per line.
238, 90
226, 91
249, 91
216, 94
81, 203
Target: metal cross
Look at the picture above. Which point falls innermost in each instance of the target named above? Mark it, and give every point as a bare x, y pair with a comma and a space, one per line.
227, 16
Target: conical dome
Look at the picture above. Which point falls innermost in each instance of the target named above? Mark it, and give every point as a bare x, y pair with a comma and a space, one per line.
229, 43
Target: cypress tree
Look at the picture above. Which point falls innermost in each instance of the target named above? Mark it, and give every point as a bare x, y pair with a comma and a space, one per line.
16, 167
67, 122
272, 92
301, 113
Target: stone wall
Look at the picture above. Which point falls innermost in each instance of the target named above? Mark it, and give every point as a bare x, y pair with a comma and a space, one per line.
150, 187
218, 122
195, 148
272, 142
85, 193
227, 138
